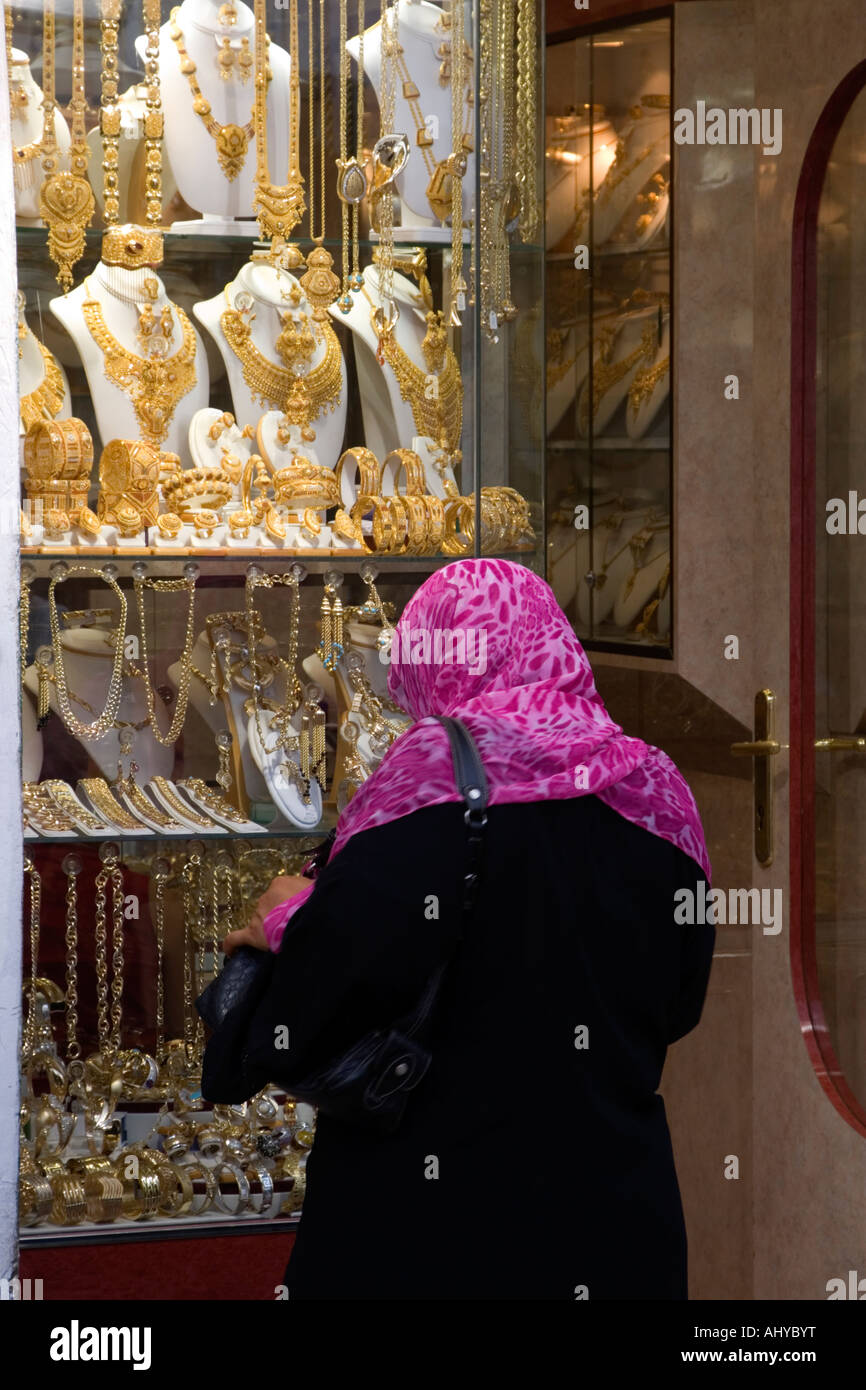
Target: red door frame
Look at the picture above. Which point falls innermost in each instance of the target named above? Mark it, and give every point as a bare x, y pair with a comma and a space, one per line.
802, 671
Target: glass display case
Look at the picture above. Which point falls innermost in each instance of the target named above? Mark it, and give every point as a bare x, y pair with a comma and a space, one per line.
608, 325
260, 401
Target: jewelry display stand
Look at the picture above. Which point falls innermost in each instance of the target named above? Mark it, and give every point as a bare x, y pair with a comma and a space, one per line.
27, 139
421, 35
224, 206
118, 292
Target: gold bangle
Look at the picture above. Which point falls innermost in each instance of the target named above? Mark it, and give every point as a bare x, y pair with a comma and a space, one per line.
69, 1207
142, 1195
362, 477
403, 461
416, 517
365, 502
180, 1199
435, 508
35, 1199
103, 1195
459, 516
383, 526
399, 514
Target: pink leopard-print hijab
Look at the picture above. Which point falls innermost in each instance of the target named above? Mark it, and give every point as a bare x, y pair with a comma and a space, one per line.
485, 641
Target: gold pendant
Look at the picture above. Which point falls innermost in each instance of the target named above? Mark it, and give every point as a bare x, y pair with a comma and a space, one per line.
66, 205
231, 147
320, 284
279, 210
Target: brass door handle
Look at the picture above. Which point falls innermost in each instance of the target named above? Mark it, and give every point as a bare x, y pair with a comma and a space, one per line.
762, 748
844, 743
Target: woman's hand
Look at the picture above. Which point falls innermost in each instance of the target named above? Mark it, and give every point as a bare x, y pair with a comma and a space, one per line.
281, 890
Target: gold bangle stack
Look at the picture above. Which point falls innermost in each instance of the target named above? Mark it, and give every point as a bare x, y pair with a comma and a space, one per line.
58, 456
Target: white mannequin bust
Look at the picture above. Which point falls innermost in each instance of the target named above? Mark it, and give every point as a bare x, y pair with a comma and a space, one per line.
115, 415
645, 152
26, 128
421, 33
388, 419
270, 287
88, 659
568, 167
191, 150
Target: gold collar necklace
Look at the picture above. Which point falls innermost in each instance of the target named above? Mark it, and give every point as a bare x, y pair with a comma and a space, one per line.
232, 141
440, 418
272, 384
154, 385
47, 398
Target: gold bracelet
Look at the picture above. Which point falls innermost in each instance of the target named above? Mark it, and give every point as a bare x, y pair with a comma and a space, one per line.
141, 1195
435, 508
365, 473
459, 516
103, 1195
399, 513
417, 516
106, 804
403, 461
69, 1207
365, 502
180, 1199
35, 1199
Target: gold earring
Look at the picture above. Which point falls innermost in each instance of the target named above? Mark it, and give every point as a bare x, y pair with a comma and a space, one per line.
226, 60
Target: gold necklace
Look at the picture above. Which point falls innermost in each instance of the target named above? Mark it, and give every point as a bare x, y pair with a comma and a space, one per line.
168, 586
319, 282
437, 415
272, 384
105, 721
66, 202
154, 385
48, 396
279, 208
351, 179
232, 141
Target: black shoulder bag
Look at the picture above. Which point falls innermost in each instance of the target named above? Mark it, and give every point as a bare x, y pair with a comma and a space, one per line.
370, 1084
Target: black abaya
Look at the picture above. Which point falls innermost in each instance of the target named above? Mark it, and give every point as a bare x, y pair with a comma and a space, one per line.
534, 1159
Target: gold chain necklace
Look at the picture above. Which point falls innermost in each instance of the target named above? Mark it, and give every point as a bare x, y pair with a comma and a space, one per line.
66, 202
319, 282
21, 154
47, 398
232, 141
272, 384
105, 721
278, 208
154, 385
440, 416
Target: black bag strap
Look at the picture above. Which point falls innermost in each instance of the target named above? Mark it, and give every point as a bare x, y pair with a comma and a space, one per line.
472, 784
